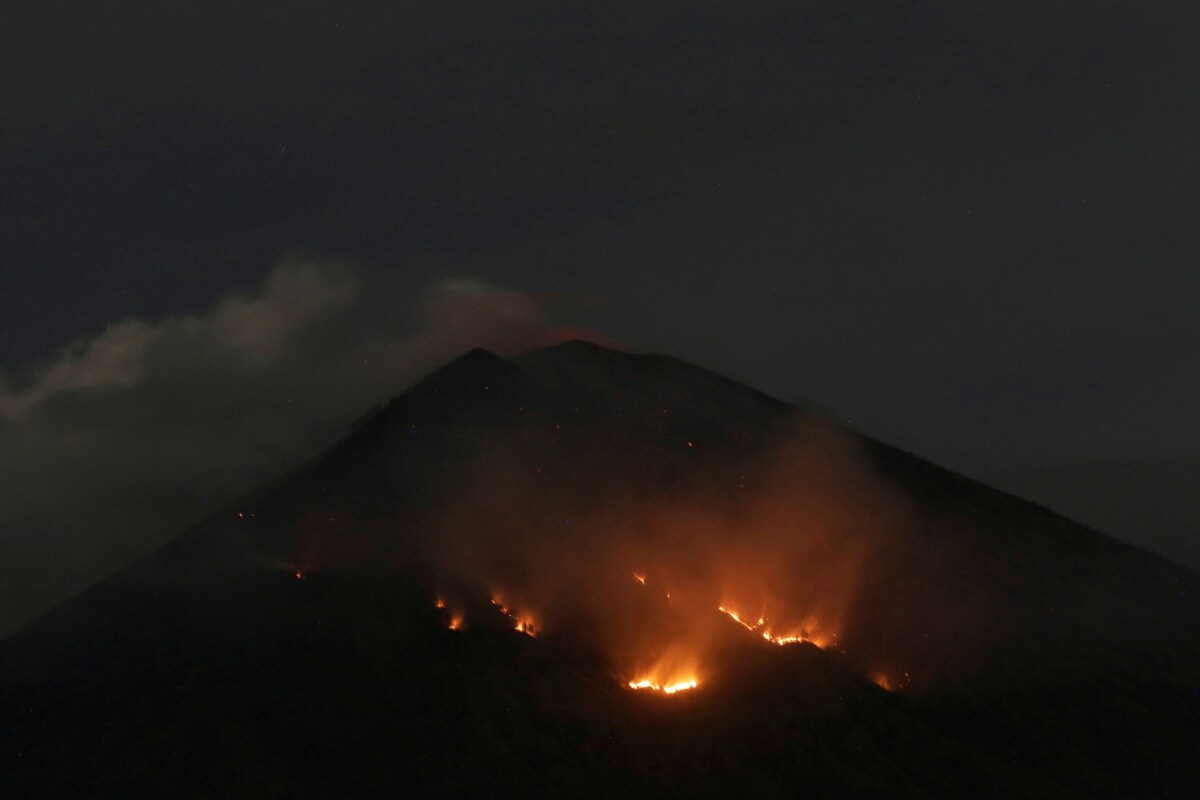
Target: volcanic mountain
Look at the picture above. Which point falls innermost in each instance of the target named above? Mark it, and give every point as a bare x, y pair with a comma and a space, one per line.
579, 572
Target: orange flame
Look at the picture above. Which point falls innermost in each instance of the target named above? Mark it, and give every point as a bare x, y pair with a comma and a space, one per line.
674, 670
522, 623
456, 618
671, 688
889, 685
762, 628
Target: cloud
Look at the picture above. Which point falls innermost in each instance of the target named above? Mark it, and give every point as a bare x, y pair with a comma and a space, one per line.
129, 436
245, 331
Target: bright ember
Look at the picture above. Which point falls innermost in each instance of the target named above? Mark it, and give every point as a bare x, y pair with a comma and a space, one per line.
672, 688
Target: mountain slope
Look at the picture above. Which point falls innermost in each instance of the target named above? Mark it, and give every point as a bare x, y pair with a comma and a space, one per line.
952, 640
1148, 501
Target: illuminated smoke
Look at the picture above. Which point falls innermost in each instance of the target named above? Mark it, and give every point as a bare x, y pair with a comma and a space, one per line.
556, 547
131, 435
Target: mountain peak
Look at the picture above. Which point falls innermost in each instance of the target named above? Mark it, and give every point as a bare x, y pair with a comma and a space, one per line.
475, 358
473, 371
541, 561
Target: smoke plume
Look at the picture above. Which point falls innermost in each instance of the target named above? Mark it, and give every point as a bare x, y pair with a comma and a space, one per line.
133, 433
660, 566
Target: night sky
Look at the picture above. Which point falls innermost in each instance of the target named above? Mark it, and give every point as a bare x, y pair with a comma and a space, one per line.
967, 229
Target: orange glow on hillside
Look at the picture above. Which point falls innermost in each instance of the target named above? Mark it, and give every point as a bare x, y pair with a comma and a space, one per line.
762, 627
670, 688
565, 542
892, 685
676, 668
455, 621
522, 622
733, 615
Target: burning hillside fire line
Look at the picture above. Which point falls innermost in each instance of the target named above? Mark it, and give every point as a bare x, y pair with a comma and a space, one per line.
641, 579
667, 678
646, 683
760, 627
455, 620
892, 684
521, 623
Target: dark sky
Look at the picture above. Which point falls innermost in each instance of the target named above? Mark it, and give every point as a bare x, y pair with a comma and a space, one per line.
964, 228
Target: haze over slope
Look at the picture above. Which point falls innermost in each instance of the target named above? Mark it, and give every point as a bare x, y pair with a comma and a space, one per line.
494, 579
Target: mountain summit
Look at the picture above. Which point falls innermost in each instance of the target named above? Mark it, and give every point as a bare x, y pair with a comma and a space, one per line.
580, 572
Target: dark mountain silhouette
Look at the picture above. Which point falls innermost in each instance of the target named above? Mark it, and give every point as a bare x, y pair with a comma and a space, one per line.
953, 640
1149, 501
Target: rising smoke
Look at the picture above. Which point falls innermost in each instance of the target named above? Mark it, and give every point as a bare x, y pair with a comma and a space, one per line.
132, 434
654, 564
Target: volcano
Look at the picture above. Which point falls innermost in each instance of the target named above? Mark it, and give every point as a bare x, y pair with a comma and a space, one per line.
581, 572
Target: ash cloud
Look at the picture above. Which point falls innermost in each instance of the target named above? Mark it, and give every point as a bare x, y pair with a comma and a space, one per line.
130, 435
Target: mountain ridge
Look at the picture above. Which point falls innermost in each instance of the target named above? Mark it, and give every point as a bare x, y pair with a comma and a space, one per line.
1015, 623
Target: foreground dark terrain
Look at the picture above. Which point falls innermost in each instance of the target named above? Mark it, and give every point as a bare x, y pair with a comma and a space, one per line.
958, 641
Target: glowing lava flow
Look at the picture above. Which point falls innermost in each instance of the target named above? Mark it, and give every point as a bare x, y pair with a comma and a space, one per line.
882, 680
